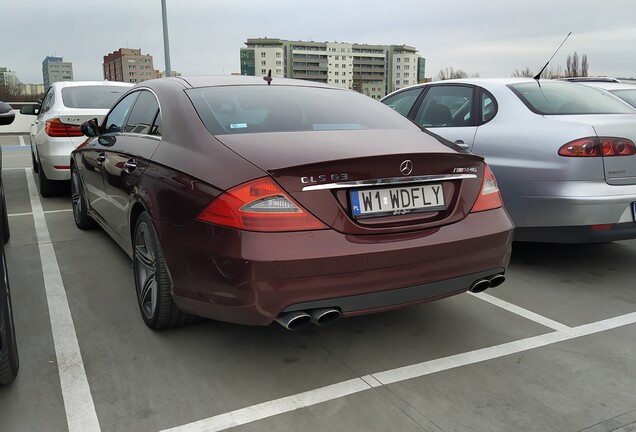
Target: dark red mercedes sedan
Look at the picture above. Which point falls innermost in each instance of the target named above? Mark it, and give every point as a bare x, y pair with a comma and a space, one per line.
250, 200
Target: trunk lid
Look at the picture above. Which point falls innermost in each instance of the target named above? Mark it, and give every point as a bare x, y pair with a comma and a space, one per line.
326, 171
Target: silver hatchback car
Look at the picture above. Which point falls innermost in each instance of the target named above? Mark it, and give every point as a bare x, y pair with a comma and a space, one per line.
563, 153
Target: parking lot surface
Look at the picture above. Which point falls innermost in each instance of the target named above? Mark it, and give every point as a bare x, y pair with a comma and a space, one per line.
552, 349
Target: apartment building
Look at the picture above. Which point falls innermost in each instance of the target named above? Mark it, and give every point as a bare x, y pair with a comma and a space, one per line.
56, 69
129, 65
374, 70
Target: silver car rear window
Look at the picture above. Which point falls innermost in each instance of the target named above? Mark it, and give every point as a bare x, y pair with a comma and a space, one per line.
96, 97
628, 96
254, 109
563, 98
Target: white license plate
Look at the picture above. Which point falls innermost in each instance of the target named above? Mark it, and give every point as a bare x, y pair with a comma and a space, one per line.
396, 200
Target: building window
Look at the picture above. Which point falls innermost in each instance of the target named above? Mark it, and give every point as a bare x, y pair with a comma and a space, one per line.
337, 65
406, 60
406, 67
337, 73
278, 63
397, 60
278, 54
337, 81
263, 71
132, 61
279, 71
397, 82
262, 53
263, 63
406, 82
406, 74
397, 75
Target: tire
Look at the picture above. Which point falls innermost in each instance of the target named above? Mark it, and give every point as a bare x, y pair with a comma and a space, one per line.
47, 187
152, 283
9, 361
6, 232
82, 220
34, 163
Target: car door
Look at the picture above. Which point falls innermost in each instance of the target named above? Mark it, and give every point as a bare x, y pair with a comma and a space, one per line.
128, 158
449, 110
93, 155
36, 131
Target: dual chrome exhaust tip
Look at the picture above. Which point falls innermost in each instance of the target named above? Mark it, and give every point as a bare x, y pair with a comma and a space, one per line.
298, 319
485, 283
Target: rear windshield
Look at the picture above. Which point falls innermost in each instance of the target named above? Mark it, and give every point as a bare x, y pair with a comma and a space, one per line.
567, 98
100, 96
253, 109
628, 96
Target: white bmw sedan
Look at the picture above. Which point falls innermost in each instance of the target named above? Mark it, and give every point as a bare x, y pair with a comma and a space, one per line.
56, 129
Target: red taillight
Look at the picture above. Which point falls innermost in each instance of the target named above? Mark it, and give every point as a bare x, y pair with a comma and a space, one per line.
595, 147
55, 128
259, 205
489, 197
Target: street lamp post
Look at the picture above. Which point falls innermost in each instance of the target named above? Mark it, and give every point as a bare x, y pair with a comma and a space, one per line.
166, 43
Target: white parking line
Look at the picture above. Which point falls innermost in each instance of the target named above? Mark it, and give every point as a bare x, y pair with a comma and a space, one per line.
22, 141
523, 312
78, 401
45, 212
301, 400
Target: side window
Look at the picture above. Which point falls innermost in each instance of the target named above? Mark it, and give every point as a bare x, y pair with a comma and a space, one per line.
116, 117
157, 126
403, 101
488, 106
48, 101
446, 106
143, 114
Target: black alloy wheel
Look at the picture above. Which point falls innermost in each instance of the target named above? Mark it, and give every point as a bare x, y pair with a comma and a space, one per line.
152, 282
82, 220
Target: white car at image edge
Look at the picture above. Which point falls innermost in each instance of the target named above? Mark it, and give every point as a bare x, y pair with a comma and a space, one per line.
56, 129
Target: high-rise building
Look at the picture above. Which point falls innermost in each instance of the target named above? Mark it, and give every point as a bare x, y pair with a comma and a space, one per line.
129, 65
374, 70
56, 69
8, 77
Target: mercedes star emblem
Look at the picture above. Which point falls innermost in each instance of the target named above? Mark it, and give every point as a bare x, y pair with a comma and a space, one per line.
406, 167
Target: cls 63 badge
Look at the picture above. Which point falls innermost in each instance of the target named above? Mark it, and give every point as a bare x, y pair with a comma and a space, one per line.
323, 178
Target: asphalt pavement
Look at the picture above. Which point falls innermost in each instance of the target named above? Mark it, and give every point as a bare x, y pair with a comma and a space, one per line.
552, 349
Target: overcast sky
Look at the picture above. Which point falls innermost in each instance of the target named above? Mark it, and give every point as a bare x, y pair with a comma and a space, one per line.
491, 38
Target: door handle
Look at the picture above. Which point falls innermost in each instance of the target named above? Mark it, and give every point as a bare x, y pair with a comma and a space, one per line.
462, 144
101, 158
37, 122
130, 165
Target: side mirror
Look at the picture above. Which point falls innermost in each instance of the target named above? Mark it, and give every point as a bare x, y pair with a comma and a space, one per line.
90, 128
6, 114
27, 110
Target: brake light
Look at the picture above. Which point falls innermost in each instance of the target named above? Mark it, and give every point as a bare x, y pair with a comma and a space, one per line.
259, 205
596, 147
55, 128
489, 197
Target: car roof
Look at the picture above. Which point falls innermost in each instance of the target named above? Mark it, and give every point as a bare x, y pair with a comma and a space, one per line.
62, 84
227, 80
611, 85
590, 79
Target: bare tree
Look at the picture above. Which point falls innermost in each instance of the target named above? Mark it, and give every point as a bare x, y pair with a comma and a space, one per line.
584, 65
568, 66
451, 73
523, 73
575, 65
10, 92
